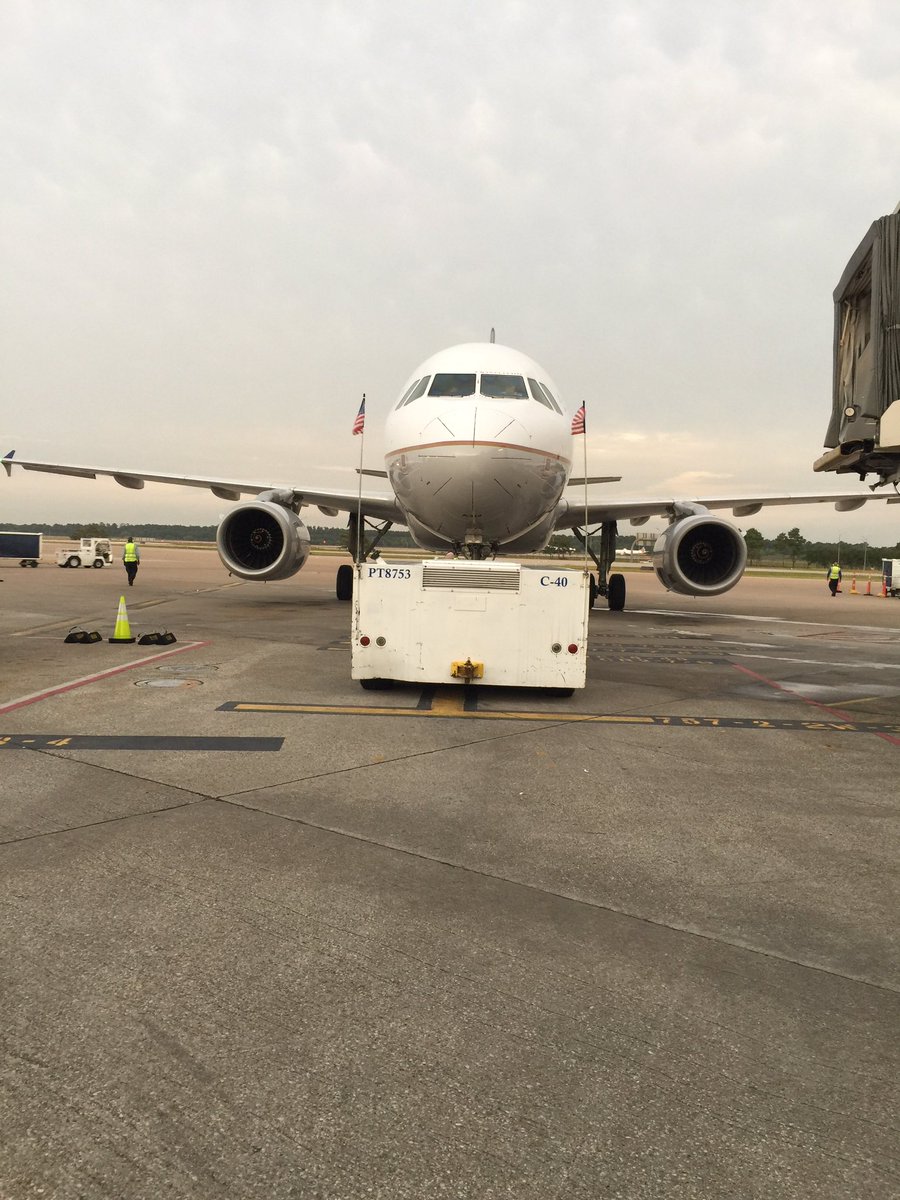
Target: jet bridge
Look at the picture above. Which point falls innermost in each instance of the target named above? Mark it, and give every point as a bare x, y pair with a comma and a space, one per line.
863, 436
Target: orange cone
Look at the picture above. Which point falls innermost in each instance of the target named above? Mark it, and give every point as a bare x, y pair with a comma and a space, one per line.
853, 591
884, 589
868, 587
122, 632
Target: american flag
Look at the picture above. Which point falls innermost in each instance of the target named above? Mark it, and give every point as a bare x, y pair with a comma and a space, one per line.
578, 421
360, 421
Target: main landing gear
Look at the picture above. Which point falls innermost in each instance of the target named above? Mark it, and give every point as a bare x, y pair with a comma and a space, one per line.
611, 587
343, 585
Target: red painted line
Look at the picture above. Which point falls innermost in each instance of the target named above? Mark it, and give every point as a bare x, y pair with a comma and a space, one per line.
834, 712
24, 701
463, 443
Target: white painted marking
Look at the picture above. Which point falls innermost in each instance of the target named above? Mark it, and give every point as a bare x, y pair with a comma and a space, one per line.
752, 645
717, 616
821, 662
822, 691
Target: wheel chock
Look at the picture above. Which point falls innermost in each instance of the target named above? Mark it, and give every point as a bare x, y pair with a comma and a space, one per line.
83, 637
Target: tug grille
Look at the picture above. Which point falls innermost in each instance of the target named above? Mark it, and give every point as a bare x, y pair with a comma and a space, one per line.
483, 579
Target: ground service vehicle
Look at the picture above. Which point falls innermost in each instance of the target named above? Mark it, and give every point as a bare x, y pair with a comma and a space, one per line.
890, 575
93, 552
459, 621
26, 547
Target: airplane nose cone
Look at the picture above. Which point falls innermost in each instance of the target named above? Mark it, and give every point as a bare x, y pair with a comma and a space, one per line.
476, 478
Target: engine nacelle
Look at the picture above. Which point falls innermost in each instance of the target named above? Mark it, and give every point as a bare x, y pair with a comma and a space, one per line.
700, 555
262, 540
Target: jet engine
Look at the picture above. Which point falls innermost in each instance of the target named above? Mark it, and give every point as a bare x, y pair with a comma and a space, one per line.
699, 555
262, 539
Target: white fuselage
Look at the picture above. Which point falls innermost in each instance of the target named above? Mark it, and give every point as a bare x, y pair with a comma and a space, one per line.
479, 450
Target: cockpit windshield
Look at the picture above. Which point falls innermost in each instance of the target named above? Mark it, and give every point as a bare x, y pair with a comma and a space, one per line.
503, 387
447, 384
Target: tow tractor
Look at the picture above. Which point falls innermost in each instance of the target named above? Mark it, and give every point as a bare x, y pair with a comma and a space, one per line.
457, 621
93, 552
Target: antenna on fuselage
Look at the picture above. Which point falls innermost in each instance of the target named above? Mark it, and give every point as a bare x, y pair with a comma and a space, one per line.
493, 337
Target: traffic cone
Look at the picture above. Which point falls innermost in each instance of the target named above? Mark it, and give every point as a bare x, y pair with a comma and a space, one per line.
868, 587
884, 589
122, 632
853, 591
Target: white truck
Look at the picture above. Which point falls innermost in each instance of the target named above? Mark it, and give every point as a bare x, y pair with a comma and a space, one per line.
458, 621
93, 552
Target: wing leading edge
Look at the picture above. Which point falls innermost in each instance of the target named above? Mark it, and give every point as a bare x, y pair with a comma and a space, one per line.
570, 513
383, 508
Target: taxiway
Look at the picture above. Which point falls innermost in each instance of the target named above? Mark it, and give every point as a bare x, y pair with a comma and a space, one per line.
268, 935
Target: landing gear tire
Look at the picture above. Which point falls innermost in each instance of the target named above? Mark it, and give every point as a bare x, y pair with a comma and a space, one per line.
376, 685
343, 586
615, 593
594, 591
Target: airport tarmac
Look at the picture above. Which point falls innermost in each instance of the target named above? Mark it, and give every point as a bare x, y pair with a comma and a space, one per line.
268, 935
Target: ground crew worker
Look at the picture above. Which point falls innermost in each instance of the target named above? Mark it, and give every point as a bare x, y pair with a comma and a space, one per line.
131, 557
834, 577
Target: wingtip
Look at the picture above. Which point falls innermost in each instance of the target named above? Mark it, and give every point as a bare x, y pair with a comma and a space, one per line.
7, 461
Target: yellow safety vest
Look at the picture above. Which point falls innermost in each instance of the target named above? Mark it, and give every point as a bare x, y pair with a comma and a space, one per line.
130, 554
835, 572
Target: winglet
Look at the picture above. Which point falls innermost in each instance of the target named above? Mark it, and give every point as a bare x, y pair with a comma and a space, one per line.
7, 461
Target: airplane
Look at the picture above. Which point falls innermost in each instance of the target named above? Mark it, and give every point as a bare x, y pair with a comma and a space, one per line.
479, 464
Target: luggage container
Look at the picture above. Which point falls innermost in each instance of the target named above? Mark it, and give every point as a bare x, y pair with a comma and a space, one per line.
26, 547
457, 621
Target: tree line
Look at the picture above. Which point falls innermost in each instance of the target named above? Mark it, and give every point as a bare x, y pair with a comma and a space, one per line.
793, 547
790, 547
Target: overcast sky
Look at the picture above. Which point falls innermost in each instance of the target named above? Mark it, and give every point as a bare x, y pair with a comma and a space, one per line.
221, 222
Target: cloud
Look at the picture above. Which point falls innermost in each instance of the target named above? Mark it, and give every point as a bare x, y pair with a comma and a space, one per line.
221, 224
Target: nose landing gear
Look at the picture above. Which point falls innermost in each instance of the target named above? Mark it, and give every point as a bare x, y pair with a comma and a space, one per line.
611, 587
343, 584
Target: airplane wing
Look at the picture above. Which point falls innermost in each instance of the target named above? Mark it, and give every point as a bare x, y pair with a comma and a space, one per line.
571, 513
381, 507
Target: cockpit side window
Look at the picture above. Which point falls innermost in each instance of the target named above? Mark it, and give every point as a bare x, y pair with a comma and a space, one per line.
504, 387
552, 398
452, 384
417, 390
407, 395
542, 393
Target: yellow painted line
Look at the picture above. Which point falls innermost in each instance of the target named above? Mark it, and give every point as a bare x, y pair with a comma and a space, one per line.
443, 707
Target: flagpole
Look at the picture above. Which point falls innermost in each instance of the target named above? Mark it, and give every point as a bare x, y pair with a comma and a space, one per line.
584, 452
357, 556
